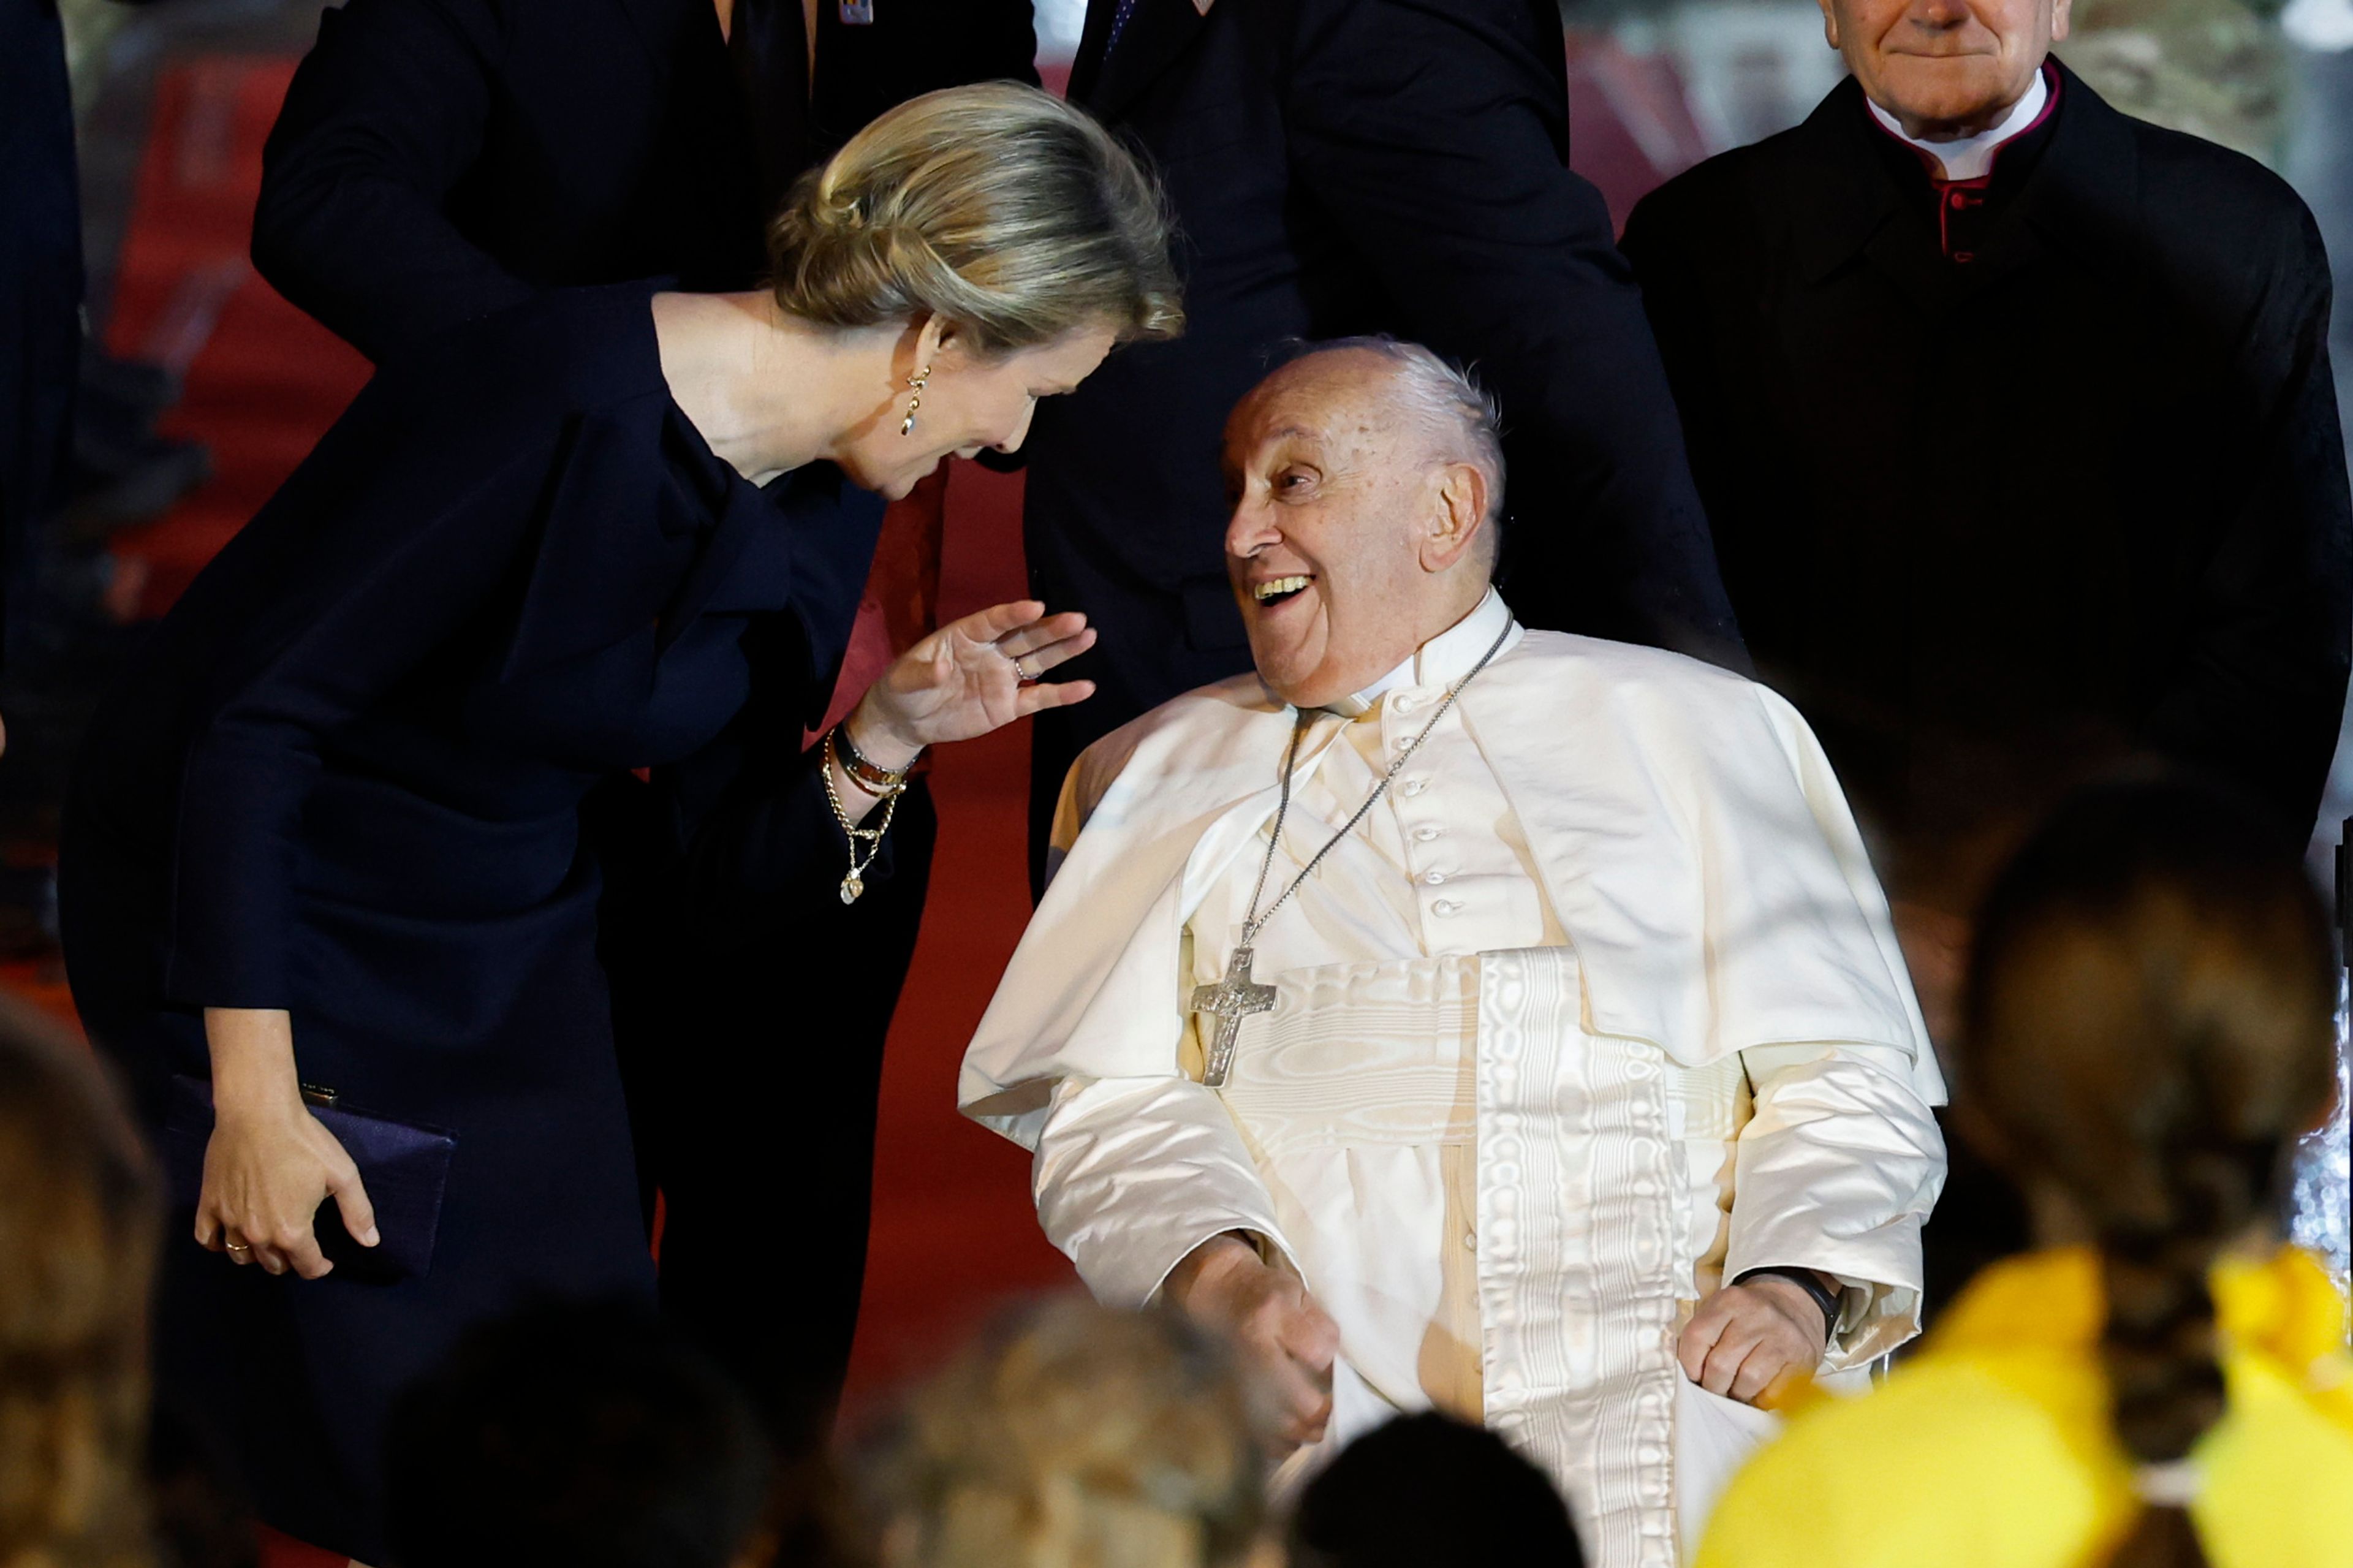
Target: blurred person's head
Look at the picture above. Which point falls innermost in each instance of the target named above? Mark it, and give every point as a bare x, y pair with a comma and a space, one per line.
1010, 240
1367, 483
2149, 1026
80, 1225
1425, 1491
1075, 1437
578, 1436
1944, 68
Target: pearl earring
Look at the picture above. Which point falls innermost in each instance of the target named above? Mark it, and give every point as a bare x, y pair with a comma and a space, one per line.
918, 381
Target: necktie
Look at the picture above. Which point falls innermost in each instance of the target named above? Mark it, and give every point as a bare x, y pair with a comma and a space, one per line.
768, 46
1119, 20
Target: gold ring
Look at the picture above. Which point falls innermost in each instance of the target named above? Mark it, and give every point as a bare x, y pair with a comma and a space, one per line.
236, 1246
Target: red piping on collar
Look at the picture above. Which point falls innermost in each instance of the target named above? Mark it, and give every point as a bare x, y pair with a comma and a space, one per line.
1961, 193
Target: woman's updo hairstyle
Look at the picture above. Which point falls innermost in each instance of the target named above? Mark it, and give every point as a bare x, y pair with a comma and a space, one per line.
2149, 1025
998, 207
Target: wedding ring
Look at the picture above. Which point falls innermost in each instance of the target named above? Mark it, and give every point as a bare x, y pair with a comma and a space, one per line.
1026, 678
236, 1246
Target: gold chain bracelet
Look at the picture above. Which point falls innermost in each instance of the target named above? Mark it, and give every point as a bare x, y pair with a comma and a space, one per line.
854, 882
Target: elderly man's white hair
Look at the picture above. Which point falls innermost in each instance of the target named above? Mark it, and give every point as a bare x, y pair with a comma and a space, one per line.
1447, 401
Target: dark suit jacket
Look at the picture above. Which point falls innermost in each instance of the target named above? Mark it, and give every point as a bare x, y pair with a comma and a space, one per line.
1993, 524
439, 159
1341, 166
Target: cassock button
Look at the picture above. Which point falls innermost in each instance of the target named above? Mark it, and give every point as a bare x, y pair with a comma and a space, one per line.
1471, 1239
1426, 833
1401, 704
1414, 785
1435, 879
1444, 907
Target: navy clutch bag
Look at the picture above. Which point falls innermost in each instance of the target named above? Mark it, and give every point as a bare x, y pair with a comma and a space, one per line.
405, 1168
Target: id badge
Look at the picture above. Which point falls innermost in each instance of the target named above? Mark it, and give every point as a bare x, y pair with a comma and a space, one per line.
857, 12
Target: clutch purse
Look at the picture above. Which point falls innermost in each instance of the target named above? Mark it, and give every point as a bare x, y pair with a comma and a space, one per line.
405, 1167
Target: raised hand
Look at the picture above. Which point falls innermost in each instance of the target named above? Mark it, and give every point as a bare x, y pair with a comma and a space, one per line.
969, 678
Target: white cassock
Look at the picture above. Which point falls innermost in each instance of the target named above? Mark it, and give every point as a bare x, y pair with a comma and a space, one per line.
1599, 1007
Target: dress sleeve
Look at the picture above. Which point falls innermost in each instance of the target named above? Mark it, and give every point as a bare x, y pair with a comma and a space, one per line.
415, 512
1434, 133
383, 117
750, 811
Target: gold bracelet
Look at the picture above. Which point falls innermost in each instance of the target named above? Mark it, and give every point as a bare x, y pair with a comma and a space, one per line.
880, 782
853, 882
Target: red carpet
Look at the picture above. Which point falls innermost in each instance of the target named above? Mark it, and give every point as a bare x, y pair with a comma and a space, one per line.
953, 1226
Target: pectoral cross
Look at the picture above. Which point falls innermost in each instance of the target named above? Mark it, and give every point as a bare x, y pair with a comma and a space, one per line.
1229, 1001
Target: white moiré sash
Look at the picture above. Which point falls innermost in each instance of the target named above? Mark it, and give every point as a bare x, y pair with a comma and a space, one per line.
1453, 1155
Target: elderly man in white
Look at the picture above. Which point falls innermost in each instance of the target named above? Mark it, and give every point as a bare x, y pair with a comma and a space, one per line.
1467, 1016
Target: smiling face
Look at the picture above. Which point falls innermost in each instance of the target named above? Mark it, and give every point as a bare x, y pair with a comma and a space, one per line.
970, 402
1944, 68
1353, 540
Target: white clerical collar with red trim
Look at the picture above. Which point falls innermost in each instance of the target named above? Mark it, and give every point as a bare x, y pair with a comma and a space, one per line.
1971, 157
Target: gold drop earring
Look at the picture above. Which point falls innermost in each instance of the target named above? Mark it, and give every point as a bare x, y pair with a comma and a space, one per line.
918, 381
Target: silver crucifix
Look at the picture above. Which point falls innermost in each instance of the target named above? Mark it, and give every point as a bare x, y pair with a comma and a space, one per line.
1229, 1001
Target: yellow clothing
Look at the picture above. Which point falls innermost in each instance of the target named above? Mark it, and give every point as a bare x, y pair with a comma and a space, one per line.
1992, 1450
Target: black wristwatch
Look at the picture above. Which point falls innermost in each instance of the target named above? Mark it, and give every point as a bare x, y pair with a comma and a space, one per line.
1824, 1297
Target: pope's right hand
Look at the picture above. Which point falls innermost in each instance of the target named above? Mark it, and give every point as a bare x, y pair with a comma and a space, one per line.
270, 1163
1287, 1341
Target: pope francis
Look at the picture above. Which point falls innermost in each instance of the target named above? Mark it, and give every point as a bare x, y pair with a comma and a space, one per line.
1467, 1016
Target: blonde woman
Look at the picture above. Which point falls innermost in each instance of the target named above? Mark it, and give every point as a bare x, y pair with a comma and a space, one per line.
1076, 1436
324, 846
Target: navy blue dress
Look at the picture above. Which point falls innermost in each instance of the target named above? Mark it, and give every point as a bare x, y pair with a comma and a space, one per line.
344, 780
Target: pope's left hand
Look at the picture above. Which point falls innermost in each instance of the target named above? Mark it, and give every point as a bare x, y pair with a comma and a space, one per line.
1747, 1338
968, 678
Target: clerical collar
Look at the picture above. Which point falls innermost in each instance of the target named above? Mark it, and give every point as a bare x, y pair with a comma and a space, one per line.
1442, 661
1972, 157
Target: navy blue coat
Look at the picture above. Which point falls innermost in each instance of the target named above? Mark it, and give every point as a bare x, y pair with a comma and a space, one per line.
440, 160
344, 779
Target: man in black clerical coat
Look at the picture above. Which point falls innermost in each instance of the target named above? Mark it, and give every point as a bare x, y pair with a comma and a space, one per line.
2014, 423
438, 160
1345, 166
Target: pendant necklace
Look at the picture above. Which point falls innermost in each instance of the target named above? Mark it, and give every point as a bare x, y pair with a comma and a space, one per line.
1238, 996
